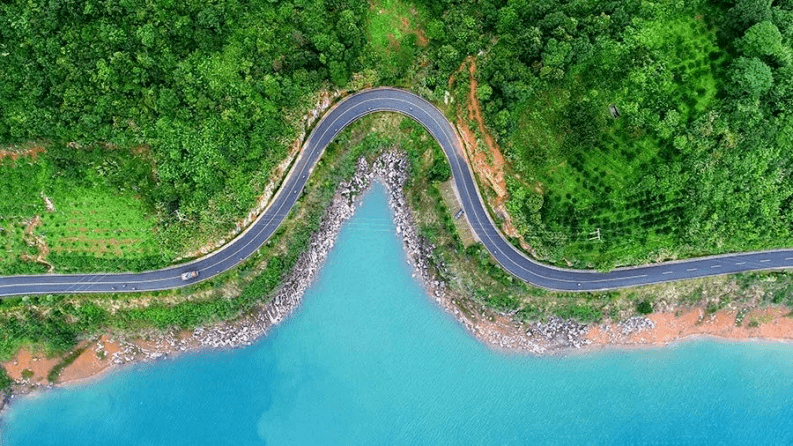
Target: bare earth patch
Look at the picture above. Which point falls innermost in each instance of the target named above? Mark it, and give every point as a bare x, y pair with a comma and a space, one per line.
487, 160
14, 153
767, 323
31, 361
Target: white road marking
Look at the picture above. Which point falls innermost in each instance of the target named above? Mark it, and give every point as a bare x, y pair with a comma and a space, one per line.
766, 260
691, 269
667, 272
740, 263
715, 266
788, 258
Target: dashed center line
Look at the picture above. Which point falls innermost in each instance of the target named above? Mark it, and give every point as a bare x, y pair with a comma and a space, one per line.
667, 272
740, 263
766, 260
788, 258
691, 269
715, 266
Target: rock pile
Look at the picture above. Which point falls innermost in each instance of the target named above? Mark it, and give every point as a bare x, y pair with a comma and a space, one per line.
635, 325
560, 333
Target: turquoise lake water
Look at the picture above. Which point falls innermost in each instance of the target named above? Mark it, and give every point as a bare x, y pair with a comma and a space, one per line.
369, 359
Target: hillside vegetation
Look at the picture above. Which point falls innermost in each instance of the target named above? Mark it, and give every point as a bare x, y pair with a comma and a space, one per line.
216, 90
699, 160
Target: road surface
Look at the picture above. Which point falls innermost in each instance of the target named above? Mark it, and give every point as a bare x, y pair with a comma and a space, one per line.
341, 115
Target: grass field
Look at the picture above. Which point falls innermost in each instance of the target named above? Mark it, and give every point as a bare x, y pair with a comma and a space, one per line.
603, 181
391, 21
98, 223
92, 221
395, 31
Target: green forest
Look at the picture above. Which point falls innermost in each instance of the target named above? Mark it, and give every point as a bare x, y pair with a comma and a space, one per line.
205, 95
699, 160
178, 113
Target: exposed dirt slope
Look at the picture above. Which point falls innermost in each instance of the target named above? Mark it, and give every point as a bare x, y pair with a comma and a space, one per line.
484, 154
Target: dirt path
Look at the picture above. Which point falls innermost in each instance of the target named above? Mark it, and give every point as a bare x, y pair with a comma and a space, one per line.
42, 250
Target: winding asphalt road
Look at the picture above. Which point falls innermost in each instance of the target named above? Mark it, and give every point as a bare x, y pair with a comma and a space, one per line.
341, 115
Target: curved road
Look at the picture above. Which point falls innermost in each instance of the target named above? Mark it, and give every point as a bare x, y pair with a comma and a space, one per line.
341, 115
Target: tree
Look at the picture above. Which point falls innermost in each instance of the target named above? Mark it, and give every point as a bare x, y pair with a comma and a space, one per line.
349, 32
448, 58
764, 39
644, 307
484, 92
556, 53
746, 13
750, 77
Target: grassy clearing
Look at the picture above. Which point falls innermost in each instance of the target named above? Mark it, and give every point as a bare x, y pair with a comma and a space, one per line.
595, 171
98, 224
391, 21
96, 219
395, 33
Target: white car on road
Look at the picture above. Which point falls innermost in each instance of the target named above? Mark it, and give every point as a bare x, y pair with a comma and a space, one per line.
189, 275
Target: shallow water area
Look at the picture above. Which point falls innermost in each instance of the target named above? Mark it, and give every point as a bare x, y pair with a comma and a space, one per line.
368, 358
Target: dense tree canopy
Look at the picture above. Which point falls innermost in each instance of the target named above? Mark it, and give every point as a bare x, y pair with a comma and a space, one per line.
212, 87
702, 147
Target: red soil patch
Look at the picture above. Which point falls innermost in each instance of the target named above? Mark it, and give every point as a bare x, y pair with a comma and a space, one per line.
33, 152
393, 43
480, 160
89, 363
492, 172
98, 358
421, 38
25, 360
773, 324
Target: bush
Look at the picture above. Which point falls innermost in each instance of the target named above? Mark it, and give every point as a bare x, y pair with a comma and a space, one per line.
644, 307
581, 313
5, 381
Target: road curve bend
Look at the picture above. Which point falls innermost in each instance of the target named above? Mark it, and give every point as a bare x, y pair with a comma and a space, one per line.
334, 121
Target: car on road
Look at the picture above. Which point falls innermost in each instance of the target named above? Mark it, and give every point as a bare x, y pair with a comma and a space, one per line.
189, 275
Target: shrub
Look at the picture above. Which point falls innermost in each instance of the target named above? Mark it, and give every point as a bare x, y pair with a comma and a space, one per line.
644, 307
5, 381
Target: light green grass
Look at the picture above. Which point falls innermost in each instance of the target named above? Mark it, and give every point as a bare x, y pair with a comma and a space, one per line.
596, 185
386, 23
100, 223
395, 34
